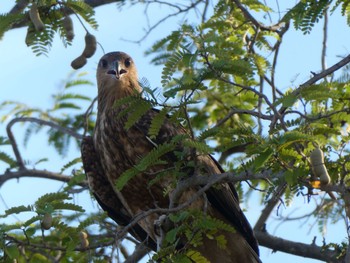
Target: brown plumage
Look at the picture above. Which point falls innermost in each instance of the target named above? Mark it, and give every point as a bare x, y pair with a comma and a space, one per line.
115, 149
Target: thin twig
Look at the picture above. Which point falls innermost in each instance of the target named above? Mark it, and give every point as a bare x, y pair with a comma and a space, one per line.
250, 17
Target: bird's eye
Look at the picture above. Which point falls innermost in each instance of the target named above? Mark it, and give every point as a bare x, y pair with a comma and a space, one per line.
127, 62
103, 63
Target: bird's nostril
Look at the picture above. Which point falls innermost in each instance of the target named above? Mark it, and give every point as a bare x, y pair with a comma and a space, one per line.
122, 71
112, 71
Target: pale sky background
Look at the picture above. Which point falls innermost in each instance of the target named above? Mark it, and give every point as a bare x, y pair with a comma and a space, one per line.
32, 80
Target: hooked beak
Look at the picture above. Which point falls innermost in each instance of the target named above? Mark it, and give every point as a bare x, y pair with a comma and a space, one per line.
116, 70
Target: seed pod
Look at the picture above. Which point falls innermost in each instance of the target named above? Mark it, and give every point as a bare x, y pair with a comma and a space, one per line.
90, 45
35, 18
84, 242
67, 24
29, 40
78, 62
46, 223
318, 167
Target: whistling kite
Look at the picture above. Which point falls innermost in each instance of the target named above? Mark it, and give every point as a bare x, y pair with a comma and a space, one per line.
113, 149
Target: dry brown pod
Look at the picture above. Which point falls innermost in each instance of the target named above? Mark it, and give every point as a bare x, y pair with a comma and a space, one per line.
35, 18
90, 45
67, 24
79, 62
46, 222
84, 242
318, 167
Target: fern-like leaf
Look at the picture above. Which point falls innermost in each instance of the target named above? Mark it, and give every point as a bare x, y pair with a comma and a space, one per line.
137, 112
70, 164
170, 67
67, 206
17, 210
157, 123
4, 157
51, 197
150, 159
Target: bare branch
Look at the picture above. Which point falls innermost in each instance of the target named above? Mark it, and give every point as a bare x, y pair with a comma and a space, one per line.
297, 248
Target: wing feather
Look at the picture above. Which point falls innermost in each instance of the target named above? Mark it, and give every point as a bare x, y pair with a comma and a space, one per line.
105, 194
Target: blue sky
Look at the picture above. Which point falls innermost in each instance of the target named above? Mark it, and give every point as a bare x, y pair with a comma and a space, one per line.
32, 80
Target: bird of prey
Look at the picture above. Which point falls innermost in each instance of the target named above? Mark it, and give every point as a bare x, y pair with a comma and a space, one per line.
114, 149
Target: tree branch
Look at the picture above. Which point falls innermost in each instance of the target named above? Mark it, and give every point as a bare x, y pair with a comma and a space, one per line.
317, 77
266, 212
250, 17
140, 251
297, 248
51, 124
37, 174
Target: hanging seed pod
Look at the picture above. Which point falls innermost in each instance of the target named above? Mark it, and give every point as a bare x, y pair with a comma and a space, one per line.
46, 223
90, 45
29, 40
67, 24
84, 242
79, 62
318, 167
35, 18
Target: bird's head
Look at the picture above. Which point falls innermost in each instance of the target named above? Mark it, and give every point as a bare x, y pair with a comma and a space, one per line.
117, 75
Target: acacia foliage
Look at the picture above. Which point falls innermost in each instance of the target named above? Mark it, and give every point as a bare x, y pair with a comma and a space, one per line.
218, 80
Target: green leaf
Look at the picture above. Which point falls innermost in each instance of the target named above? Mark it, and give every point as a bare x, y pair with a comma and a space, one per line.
17, 210
157, 123
12, 252
137, 112
7, 20
196, 257
84, 10
4, 157
30, 231
287, 100
4, 140
150, 159
201, 147
171, 235
70, 164
262, 158
50, 198
67, 206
